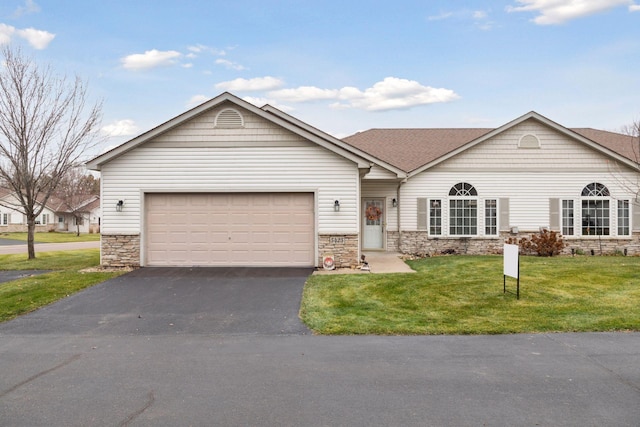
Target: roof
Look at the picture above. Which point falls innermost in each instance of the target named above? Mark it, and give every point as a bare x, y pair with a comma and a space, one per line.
408, 149
412, 150
363, 160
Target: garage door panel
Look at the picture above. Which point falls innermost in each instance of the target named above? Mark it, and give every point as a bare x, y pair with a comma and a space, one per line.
248, 229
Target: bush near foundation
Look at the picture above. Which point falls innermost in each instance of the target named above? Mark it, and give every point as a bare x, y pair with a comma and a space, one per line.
546, 243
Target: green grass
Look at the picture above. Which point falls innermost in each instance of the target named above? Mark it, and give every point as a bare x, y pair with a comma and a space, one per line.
28, 294
464, 295
53, 237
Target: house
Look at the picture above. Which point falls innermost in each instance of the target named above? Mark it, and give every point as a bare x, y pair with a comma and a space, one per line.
85, 217
12, 218
54, 217
228, 183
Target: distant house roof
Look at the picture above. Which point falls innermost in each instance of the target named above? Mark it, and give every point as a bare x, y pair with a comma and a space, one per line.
86, 203
412, 149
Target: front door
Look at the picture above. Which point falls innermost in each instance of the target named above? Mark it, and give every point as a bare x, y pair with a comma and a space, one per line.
373, 224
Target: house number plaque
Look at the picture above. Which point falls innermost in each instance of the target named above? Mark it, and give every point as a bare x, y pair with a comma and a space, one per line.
336, 240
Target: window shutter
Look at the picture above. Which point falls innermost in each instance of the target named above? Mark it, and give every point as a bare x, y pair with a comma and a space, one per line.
504, 215
635, 216
554, 214
422, 213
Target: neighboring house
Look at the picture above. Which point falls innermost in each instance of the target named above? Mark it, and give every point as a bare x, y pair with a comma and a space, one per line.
54, 217
86, 217
12, 219
228, 183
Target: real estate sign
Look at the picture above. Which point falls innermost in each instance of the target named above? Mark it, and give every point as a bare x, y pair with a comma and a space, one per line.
511, 266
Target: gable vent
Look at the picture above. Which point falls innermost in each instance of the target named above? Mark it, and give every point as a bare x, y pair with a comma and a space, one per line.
229, 119
529, 141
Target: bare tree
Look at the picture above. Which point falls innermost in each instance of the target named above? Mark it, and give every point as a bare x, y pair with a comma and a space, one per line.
75, 190
45, 129
632, 132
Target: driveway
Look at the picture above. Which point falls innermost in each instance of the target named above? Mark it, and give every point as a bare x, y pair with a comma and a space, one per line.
161, 301
200, 347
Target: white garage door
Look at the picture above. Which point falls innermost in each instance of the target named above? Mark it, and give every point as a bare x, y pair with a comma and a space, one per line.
239, 229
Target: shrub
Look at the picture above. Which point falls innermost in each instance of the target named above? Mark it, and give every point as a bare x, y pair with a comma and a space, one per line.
545, 243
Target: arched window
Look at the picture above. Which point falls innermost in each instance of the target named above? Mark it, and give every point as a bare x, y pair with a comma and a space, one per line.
595, 210
463, 210
595, 189
463, 189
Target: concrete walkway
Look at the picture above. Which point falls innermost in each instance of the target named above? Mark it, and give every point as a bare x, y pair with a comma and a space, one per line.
378, 262
21, 248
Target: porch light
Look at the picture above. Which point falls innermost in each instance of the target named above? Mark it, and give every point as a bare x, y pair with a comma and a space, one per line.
394, 203
119, 205
336, 206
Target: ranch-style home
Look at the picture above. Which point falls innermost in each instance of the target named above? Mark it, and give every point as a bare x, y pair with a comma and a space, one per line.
230, 184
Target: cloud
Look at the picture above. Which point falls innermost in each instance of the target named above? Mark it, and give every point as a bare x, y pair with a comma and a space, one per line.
196, 100
480, 18
552, 12
6, 31
305, 94
125, 127
392, 93
255, 84
230, 65
39, 39
29, 7
440, 17
634, 8
150, 59
200, 48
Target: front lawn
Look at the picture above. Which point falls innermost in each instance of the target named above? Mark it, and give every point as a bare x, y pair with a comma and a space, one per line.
464, 295
53, 237
30, 293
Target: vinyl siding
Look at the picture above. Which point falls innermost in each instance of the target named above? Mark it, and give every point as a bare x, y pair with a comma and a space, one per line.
260, 157
529, 178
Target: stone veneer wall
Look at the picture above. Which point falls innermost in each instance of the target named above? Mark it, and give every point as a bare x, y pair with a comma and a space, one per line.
120, 250
393, 238
343, 247
419, 243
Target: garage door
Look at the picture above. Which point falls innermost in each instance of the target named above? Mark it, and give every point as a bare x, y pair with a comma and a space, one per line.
239, 229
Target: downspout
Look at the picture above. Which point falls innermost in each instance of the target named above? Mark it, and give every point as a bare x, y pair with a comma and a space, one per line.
398, 212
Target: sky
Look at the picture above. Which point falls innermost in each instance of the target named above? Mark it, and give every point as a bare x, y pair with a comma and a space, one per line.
343, 66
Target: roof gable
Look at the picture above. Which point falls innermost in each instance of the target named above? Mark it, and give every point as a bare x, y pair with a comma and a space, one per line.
268, 113
415, 150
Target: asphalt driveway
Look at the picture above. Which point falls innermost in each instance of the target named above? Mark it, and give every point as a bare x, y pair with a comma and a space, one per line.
200, 347
161, 301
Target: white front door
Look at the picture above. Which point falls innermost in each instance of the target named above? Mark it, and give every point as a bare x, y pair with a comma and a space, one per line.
373, 224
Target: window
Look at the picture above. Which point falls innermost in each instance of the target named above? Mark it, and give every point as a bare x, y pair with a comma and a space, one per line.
463, 210
567, 217
5, 219
595, 210
45, 219
595, 189
491, 217
463, 189
435, 217
623, 217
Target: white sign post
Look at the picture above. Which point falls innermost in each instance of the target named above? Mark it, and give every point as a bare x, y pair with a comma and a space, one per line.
511, 266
